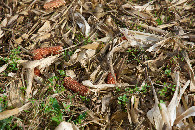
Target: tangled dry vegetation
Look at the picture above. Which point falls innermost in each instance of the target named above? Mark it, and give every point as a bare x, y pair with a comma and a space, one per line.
89, 65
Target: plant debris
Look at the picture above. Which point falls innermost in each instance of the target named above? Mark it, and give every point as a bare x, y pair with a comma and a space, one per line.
91, 65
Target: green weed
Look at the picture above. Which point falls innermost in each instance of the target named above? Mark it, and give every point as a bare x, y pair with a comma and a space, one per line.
67, 54
54, 110
80, 118
12, 59
144, 88
84, 98
159, 21
167, 89
135, 54
168, 72
8, 124
122, 99
3, 103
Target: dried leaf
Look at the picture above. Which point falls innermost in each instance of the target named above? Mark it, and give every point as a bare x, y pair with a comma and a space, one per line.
70, 73
16, 97
12, 19
140, 39
155, 117
134, 12
102, 86
146, 7
165, 116
18, 41
3, 23
7, 113
155, 64
156, 45
95, 72
188, 113
66, 126
105, 102
92, 46
82, 23
40, 64
29, 80
99, 11
46, 27
192, 75
83, 56
43, 37
3, 68
134, 115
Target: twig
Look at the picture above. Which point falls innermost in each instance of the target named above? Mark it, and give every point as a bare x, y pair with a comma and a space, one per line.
10, 10
31, 4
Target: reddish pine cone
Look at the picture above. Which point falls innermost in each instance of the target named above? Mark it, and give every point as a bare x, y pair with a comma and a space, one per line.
76, 87
123, 38
110, 79
37, 72
44, 52
53, 4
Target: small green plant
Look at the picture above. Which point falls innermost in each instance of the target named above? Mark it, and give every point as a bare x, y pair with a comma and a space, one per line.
123, 99
129, 90
7, 124
161, 101
168, 72
66, 107
2, 90
59, 88
80, 118
52, 79
138, 27
137, 89
23, 89
159, 21
12, 59
54, 110
118, 89
167, 88
3, 103
87, 41
144, 88
62, 72
157, 81
135, 54
84, 98
67, 54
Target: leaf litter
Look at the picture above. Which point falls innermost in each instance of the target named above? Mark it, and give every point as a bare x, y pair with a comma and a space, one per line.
97, 64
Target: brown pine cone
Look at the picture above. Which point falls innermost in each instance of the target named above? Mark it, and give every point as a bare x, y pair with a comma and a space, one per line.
75, 86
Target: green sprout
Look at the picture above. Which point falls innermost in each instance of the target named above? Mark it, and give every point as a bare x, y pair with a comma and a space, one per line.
12, 59
122, 99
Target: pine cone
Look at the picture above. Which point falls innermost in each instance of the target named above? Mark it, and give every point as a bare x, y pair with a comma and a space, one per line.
37, 72
110, 79
53, 4
76, 87
44, 52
